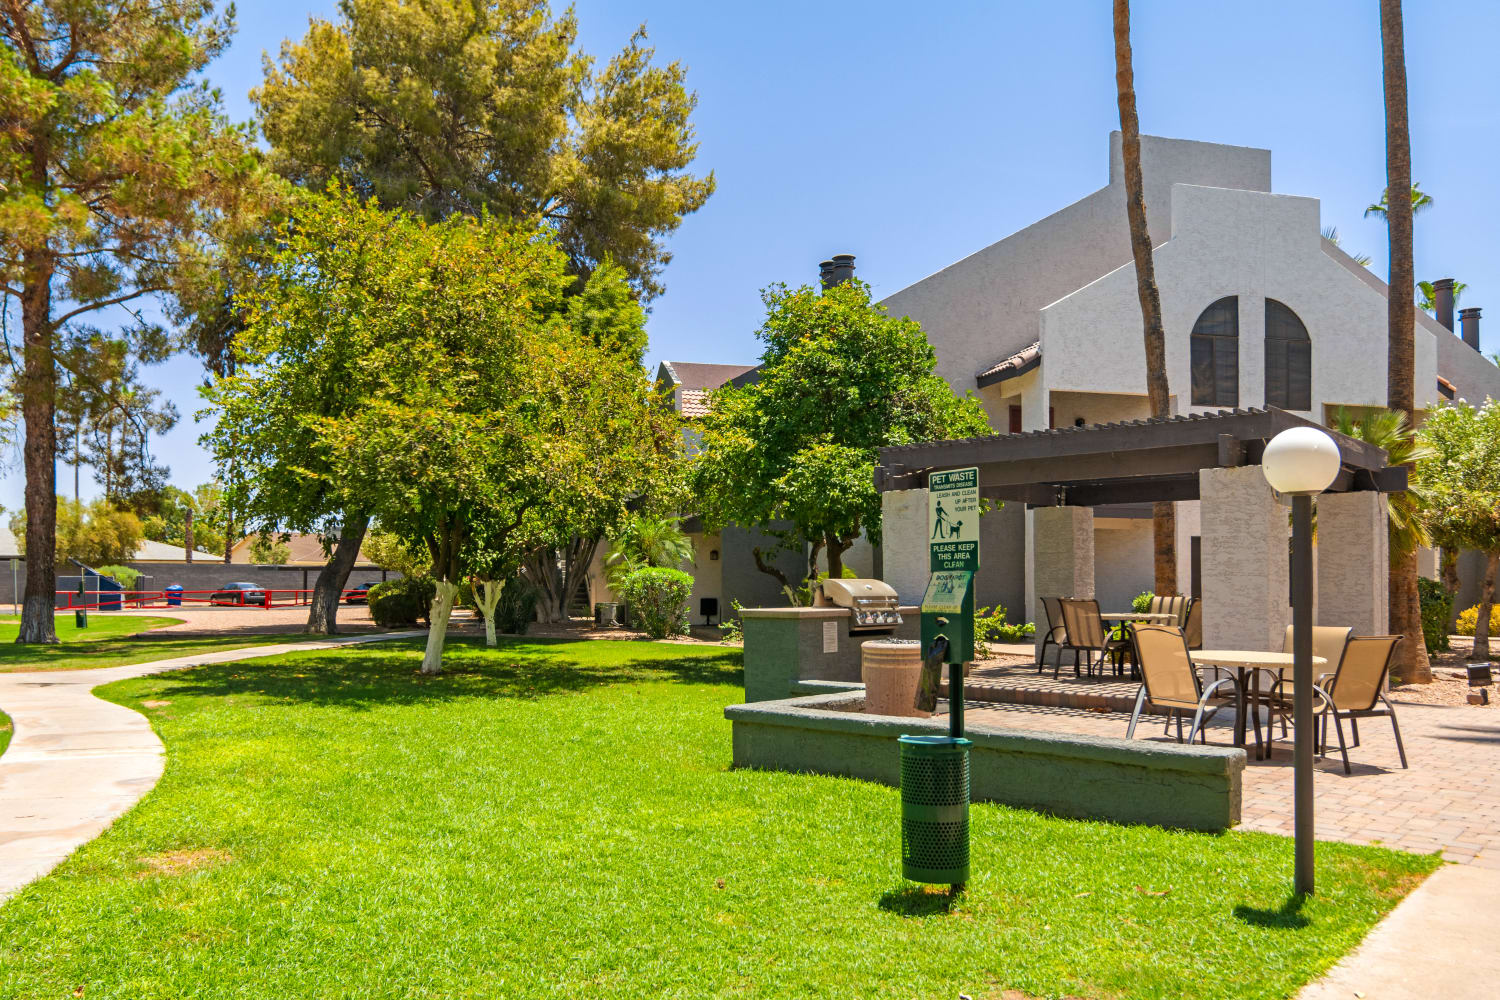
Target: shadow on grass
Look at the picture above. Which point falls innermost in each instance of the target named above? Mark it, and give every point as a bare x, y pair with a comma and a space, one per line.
919, 900
1288, 917
367, 675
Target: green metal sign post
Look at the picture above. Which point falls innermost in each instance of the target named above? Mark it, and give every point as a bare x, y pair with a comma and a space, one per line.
935, 769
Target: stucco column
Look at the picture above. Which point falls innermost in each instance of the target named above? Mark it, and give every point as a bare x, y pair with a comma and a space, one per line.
1062, 558
1354, 559
1246, 572
903, 543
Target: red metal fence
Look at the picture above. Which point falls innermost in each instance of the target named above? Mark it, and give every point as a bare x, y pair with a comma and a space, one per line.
115, 600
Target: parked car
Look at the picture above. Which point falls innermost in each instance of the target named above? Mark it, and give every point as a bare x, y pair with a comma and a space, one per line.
359, 594
239, 593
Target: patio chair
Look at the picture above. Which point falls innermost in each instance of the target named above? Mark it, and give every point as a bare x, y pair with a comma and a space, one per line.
1176, 606
1056, 635
1086, 634
1357, 691
1193, 629
1169, 681
1329, 642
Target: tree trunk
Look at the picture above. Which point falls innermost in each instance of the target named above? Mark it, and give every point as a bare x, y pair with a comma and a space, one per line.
835, 549
1410, 662
322, 615
1486, 608
488, 598
442, 609
38, 402
1163, 515
1449, 572
541, 569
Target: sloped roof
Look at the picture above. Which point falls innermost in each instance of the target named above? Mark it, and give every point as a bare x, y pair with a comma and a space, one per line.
147, 551
305, 550
1018, 363
694, 375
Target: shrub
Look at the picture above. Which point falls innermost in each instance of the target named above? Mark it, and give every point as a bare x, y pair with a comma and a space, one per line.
992, 627
516, 609
1437, 605
123, 575
402, 602
658, 600
732, 627
1142, 602
1469, 620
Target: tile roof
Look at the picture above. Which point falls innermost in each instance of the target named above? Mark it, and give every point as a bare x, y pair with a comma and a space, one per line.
694, 403
1018, 363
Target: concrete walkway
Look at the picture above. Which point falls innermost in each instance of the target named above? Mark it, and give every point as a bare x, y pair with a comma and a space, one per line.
76, 763
1439, 942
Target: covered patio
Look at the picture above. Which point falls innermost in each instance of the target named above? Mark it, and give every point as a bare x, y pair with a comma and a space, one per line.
1066, 476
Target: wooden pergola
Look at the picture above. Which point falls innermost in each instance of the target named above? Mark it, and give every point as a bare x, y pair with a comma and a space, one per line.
1132, 462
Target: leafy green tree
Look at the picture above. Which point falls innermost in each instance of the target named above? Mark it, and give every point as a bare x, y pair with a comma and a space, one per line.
390, 551
1461, 485
116, 170
93, 533
429, 374
467, 106
266, 550
339, 279
794, 453
169, 522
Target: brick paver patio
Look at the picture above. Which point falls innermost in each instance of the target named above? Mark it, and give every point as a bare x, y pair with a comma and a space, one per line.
1449, 800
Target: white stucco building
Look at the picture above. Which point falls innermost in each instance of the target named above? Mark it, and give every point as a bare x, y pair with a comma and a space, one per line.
1259, 309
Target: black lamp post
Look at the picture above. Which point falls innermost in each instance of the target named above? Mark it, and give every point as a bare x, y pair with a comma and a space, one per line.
1302, 462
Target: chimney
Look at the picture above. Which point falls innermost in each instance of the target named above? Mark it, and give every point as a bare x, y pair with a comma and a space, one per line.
187, 533
1469, 318
843, 268
825, 274
1442, 294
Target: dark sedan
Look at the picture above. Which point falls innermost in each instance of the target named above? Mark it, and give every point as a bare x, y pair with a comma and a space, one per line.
359, 594
239, 593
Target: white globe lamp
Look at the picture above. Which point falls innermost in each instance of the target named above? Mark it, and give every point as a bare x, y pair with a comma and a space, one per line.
1301, 461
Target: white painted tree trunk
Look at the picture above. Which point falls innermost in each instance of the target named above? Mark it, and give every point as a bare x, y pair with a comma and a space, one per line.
489, 599
442, 609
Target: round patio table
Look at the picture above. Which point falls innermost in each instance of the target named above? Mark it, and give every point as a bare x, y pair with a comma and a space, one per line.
1138, 616
1242, 662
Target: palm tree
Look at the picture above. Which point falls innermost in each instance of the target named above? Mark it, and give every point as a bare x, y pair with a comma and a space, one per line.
1163, 515
1419, 199
1405, 607
646, 541
1390, 431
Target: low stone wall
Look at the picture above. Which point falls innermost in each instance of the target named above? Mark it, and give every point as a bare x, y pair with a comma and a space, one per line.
1124, 781
785, 646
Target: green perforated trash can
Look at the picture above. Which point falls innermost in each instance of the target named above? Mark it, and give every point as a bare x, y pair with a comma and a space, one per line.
935, 809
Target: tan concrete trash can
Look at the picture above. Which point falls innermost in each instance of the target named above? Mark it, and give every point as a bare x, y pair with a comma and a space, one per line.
890, 669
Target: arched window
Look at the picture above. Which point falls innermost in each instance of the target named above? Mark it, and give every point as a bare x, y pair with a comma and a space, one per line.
1288, 359
1216, 354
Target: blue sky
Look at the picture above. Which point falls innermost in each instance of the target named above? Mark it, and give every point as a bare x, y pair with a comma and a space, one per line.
912, 135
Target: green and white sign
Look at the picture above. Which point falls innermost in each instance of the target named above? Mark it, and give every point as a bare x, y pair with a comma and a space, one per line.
953, 520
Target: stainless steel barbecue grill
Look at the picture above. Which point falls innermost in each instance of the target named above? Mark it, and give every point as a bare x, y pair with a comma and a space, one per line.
872, 603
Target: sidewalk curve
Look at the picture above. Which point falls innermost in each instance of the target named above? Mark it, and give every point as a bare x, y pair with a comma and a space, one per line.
77, 763
1438, 942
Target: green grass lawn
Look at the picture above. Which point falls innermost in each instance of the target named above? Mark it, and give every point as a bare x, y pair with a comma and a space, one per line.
5, 731
110, 641
559, 819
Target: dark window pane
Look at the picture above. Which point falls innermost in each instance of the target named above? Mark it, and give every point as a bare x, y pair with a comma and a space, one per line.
1215, 354
1288, 359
